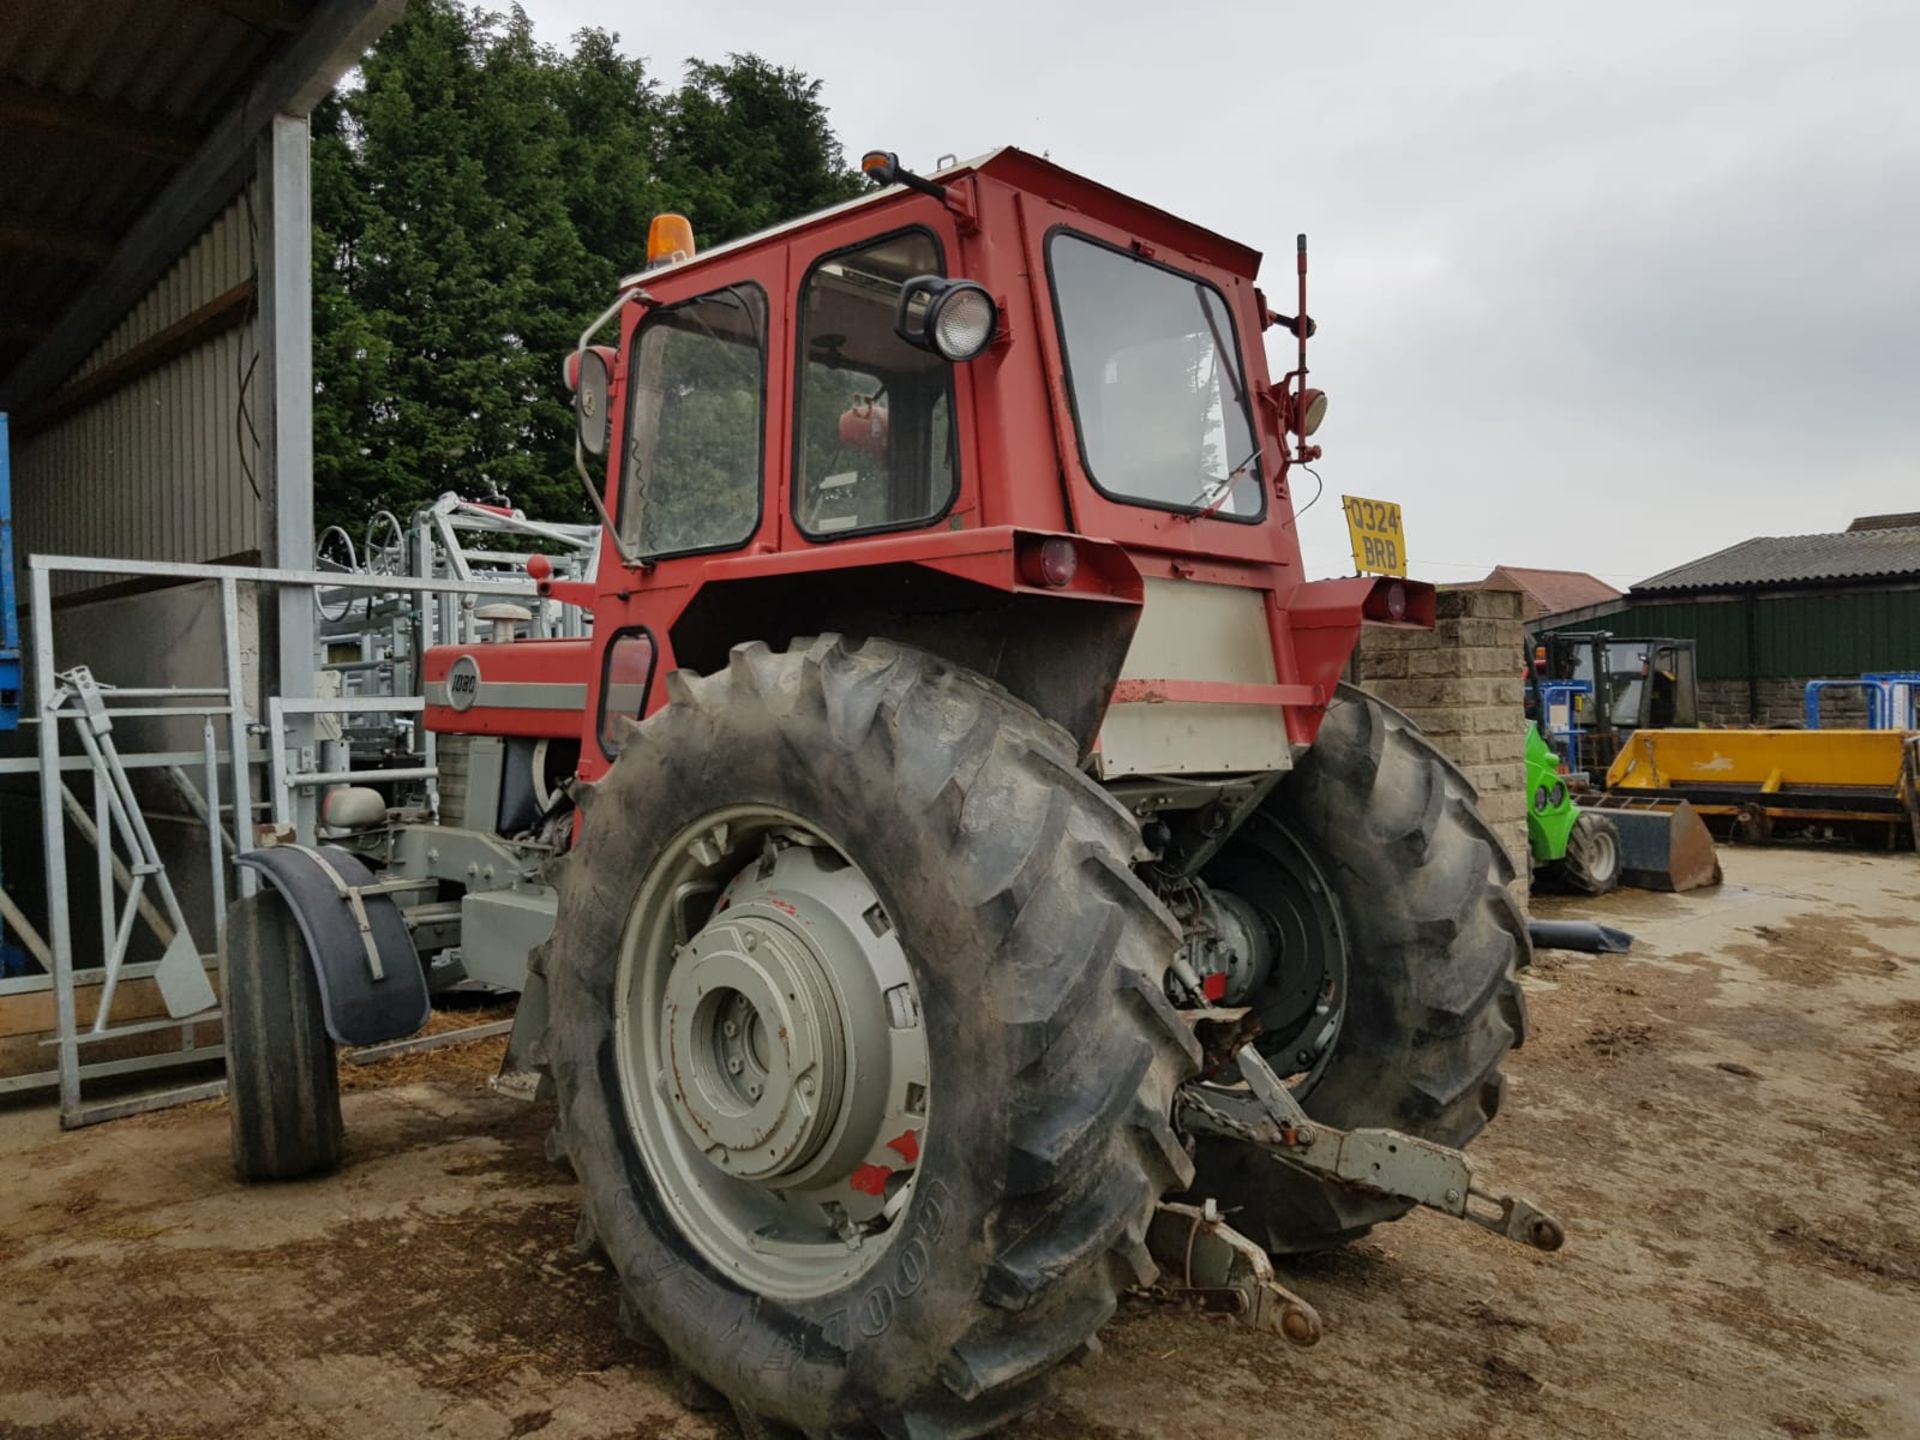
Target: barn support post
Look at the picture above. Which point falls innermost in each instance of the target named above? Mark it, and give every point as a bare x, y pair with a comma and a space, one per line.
284, 258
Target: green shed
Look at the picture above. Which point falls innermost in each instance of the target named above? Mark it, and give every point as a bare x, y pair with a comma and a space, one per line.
1771, 613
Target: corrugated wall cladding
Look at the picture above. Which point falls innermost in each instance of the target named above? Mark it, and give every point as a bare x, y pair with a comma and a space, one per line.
153, 471
1719, 627
1835, 633
1841, 633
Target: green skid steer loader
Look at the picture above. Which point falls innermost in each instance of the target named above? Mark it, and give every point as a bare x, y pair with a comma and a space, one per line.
1572, 848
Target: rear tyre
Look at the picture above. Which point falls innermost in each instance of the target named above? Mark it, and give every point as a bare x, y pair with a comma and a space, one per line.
1592, 862
283, 1087
1029, 985
1426, 939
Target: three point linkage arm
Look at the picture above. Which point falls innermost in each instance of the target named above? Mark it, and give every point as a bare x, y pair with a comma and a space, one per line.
1385, 1162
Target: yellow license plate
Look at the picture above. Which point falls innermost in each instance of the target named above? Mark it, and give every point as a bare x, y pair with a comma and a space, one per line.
1379, 544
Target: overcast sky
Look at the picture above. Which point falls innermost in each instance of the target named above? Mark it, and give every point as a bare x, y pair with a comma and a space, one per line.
1599, 286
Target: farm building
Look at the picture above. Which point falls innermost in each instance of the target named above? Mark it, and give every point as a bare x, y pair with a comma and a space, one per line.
1771, 613
154, 345
1547, 592
156, 394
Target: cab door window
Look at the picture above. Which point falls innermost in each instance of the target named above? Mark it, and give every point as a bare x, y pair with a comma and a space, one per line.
874, 437
696, 425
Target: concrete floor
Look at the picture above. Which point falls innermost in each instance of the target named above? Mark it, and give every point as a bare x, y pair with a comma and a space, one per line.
1728, 1119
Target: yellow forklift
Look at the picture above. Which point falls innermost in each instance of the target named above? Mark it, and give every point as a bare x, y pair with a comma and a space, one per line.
1592, 690
1589, 693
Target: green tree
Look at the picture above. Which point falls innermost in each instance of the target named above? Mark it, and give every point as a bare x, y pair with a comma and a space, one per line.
476, 198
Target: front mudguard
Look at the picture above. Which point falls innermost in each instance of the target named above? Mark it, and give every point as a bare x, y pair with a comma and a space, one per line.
363, 1002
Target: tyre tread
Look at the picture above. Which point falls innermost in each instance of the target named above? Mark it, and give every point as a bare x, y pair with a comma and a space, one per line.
1042, 855
282, 1080
1402, 825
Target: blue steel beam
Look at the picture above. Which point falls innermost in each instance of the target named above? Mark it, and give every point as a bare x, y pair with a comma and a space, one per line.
9, 618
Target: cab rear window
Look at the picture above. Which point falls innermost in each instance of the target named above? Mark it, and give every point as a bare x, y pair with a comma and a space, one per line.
1153, 369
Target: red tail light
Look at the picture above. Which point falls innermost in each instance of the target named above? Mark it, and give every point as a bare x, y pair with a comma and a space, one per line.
1398, 602
1051, 564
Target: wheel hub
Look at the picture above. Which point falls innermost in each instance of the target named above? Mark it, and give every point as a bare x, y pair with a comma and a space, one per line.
1279, 940
771, 1051
757, 1045
1247, 940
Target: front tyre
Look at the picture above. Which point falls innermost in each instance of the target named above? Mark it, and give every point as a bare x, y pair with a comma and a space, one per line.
283, 1086
860, 1040
1391, 999
1591, 865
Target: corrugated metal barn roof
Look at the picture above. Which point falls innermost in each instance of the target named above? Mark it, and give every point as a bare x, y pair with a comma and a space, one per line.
1797, 560
1904, 521
100, 103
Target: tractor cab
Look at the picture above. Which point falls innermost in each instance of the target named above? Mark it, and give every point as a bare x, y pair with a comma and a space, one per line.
1000, 412
1590, 690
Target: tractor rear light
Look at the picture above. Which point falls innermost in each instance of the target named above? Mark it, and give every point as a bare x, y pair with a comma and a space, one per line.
1398, 602
1051, 564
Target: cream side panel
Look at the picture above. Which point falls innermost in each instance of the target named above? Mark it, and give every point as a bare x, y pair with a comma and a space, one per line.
1192, 631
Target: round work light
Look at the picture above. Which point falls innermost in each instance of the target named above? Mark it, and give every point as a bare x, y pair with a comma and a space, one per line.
962, 320
1307, 410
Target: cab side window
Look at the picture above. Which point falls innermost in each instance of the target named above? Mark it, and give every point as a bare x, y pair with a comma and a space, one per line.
874, 444
696, 398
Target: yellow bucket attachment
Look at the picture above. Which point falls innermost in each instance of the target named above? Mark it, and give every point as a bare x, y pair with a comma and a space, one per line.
1756, 780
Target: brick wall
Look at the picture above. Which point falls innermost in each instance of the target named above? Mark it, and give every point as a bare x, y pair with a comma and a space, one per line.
1782, 705
1460, 682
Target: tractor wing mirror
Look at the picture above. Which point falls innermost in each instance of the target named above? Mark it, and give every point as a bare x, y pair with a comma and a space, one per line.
592, 379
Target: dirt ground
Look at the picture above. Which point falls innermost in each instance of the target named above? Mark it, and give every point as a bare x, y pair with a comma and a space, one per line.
1728, 1120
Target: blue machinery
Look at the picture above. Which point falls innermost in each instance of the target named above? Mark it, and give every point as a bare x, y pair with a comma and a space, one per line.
11, 958
1893, 699
9, 620
1561, 702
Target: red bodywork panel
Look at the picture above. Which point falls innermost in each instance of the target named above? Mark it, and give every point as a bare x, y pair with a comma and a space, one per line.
1020, 475
535, 688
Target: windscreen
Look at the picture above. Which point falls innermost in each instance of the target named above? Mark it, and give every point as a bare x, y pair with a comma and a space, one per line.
1154, 372
1626, 678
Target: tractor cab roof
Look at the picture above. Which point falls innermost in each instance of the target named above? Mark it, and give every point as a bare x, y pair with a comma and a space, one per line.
1036, 176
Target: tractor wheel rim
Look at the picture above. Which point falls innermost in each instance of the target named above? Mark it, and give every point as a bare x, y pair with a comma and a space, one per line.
772, 1059
1308, 941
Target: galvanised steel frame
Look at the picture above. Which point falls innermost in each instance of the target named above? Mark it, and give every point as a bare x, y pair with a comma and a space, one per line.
224, 703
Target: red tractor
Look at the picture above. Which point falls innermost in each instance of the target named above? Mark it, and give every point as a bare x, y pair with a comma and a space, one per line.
970, 846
